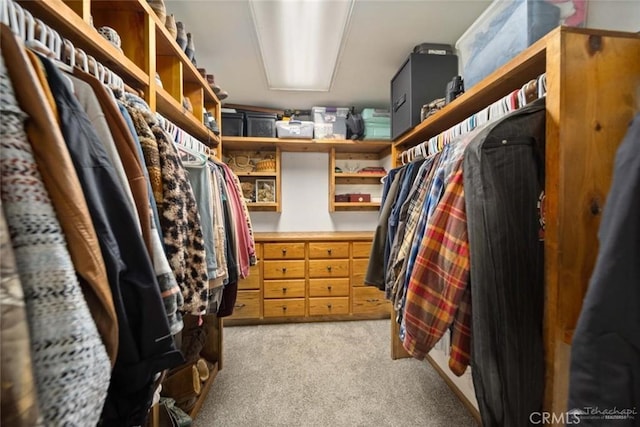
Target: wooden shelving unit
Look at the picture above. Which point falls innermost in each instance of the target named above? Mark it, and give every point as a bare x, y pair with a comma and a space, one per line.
147, 48
257, 153
340, 149
592, 76
337, 180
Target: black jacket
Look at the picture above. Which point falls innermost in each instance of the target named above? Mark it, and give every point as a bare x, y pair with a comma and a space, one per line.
605, 354
145, 343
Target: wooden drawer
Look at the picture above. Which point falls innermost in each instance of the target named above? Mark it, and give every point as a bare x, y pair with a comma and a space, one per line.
284, 269
358, 271
361, 249
328, 287
370, 300
284, 307
252, 281
247, 305
284, 288
328, 249
291, 250
326, 306
329, 268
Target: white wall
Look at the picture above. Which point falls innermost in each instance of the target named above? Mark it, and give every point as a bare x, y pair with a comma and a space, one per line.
620, 15
305, 200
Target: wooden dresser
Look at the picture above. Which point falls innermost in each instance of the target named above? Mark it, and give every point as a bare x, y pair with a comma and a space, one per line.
303, 277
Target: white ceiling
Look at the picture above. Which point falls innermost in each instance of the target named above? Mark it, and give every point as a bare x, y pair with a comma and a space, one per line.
381, 35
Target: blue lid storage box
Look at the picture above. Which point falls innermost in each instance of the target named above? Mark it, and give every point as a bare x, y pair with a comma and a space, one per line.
329, 122
294, 129
506, 28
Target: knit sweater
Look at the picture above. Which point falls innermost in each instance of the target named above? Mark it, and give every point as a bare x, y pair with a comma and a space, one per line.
71, 366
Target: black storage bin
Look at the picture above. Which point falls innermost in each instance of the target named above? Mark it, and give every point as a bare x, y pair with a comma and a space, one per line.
421, 79
232, 124
261, 124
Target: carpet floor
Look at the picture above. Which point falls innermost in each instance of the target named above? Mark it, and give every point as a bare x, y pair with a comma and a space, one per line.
325, 374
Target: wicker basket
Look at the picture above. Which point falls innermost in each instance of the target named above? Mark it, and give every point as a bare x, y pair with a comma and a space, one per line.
241, 163
268, 164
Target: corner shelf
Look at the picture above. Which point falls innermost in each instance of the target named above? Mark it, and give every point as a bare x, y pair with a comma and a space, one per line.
352, 178
253, 153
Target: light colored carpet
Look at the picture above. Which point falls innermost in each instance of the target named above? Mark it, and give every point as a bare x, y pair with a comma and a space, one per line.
325, 374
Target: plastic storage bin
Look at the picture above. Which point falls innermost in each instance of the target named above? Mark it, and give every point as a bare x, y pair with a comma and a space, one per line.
506, 28
377, 131
377, 123
261, 124
294, 129
330, 122
232, 124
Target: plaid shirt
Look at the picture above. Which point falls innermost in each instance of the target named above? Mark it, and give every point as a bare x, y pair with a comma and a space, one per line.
437, 295
399, 262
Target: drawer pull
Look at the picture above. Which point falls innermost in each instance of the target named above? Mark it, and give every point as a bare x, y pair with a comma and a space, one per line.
239, 305
284, 270
284, 252
284, 290
284, 308
329, 306
328, 268
329, 251
328, 288
373, 300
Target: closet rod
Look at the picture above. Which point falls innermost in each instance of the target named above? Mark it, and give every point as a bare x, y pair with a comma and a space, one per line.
183, 138
530, 91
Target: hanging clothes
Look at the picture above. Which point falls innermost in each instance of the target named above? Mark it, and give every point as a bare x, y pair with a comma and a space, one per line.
146, 345
124, 146
19, 398
605, 352
137, 181
65, 191
407, 222
199, 177
375, 269
503, 181
179, 217
70, 363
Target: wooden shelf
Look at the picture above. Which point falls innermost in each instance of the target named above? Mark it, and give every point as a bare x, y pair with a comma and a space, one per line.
72, 26
526, 66
358, 178
356, 206
257, 174
264, 207
167, 46
307, 145
170, 108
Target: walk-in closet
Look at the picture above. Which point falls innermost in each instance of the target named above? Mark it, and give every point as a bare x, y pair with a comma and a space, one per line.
255, 213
